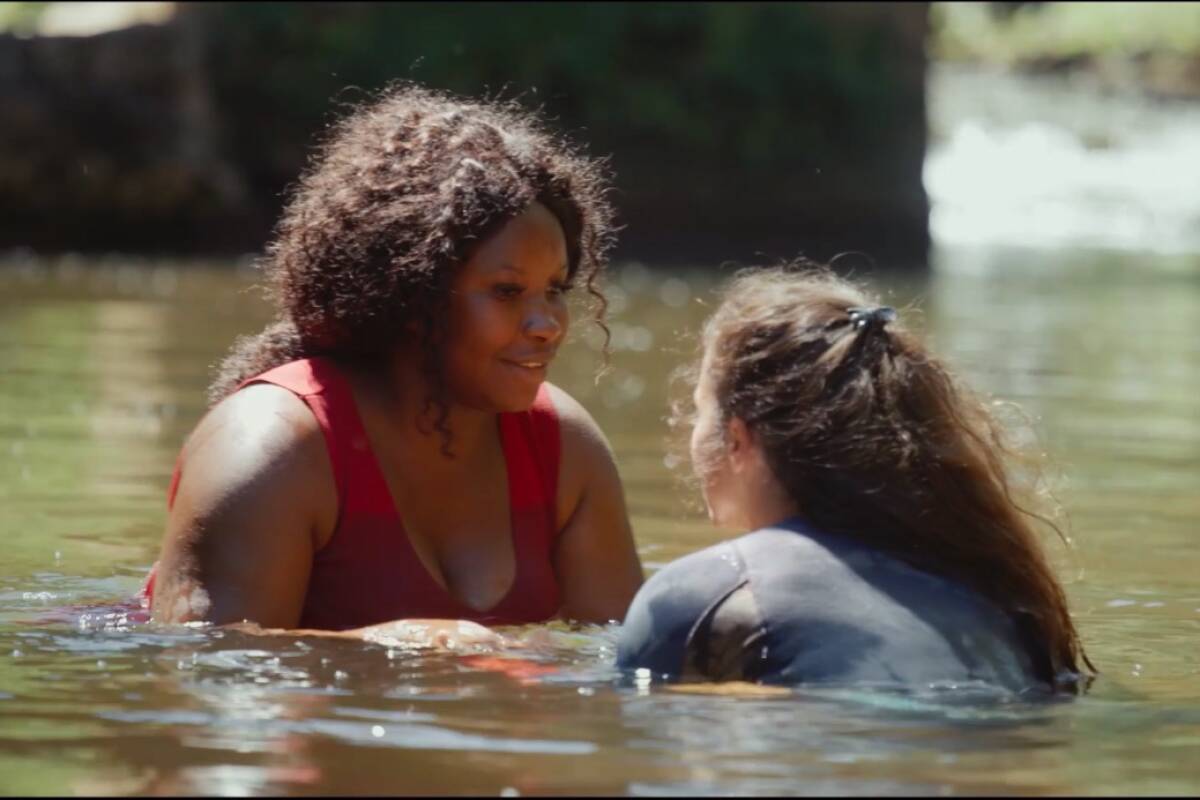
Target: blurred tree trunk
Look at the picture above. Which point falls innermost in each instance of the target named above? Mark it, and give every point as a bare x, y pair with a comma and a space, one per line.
737, 131
199, 132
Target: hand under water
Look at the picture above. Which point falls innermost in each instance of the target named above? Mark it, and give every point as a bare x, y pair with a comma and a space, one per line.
451, 635
440, 634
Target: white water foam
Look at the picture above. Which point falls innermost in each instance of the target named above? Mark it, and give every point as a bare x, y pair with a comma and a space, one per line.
1047, 164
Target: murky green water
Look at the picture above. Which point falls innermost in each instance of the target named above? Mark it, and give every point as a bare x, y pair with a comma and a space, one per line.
102, 372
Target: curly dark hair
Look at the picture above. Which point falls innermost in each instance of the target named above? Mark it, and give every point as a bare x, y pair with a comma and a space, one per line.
391, 205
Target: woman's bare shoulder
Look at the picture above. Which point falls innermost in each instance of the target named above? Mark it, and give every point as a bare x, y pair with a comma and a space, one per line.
595, 557
255, 500
579, 431
256, 416
585, 453
262, 435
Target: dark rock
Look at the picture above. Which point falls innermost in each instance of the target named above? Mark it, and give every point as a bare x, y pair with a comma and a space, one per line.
736, 132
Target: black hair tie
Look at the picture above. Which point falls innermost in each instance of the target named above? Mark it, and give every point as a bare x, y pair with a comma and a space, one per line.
870, 317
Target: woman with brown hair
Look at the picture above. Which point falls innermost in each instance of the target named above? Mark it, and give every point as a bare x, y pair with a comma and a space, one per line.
886, 545
389, 448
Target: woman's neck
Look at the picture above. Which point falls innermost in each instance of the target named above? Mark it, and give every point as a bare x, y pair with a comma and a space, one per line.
760, 497
768, 505
398, 389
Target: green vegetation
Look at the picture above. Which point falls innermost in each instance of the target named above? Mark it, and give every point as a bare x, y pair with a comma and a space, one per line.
20, 18
978, 32
650, 70
770, 96
776, 126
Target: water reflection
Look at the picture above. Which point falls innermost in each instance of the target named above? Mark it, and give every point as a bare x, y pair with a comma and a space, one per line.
283, 707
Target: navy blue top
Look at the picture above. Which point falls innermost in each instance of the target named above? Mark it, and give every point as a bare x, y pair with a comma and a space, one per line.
790, 605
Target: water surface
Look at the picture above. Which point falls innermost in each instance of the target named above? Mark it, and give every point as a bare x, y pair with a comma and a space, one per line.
104, 367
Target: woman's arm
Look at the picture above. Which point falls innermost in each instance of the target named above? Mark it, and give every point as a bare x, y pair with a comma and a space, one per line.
595, 559
255, 500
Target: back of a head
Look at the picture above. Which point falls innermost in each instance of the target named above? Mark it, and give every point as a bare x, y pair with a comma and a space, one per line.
874, 439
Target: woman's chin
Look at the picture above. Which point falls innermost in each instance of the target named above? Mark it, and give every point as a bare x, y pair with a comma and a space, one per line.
514, 402
511, 402
501, 400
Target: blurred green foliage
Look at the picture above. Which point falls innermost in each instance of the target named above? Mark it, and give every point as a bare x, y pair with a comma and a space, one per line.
969, 31
748, 83
21, 18
731, 128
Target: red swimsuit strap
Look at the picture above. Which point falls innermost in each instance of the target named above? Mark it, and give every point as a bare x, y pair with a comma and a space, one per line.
530, 439
325, 391
531, 444
532, 449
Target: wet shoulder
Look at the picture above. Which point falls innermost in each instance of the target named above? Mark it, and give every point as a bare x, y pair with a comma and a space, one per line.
261, 438
667, 607
814, 560
838, 610
260, 418
581, 437
584, 451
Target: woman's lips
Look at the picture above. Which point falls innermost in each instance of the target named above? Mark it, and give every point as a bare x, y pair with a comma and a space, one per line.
535, 367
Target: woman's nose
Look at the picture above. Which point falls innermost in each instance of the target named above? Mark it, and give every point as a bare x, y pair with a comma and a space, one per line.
543, 323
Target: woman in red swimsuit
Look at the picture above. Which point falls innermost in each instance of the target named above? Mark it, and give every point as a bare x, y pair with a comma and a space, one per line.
389, 448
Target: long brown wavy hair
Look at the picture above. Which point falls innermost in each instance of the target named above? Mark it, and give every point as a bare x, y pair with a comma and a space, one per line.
874, 439
393, 202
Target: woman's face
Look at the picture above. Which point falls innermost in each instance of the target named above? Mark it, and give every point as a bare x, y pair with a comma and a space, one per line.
508, 314
740, 488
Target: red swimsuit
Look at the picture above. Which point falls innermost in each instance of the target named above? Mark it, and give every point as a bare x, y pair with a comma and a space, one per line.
368, 572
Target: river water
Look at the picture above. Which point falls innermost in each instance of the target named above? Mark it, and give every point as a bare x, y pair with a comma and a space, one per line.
1094, 335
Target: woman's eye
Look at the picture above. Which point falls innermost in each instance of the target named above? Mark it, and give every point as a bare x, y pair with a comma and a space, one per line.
508, 290
559, 289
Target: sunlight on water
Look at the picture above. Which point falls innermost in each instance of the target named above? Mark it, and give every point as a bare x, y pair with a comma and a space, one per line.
105, 376
105, 364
